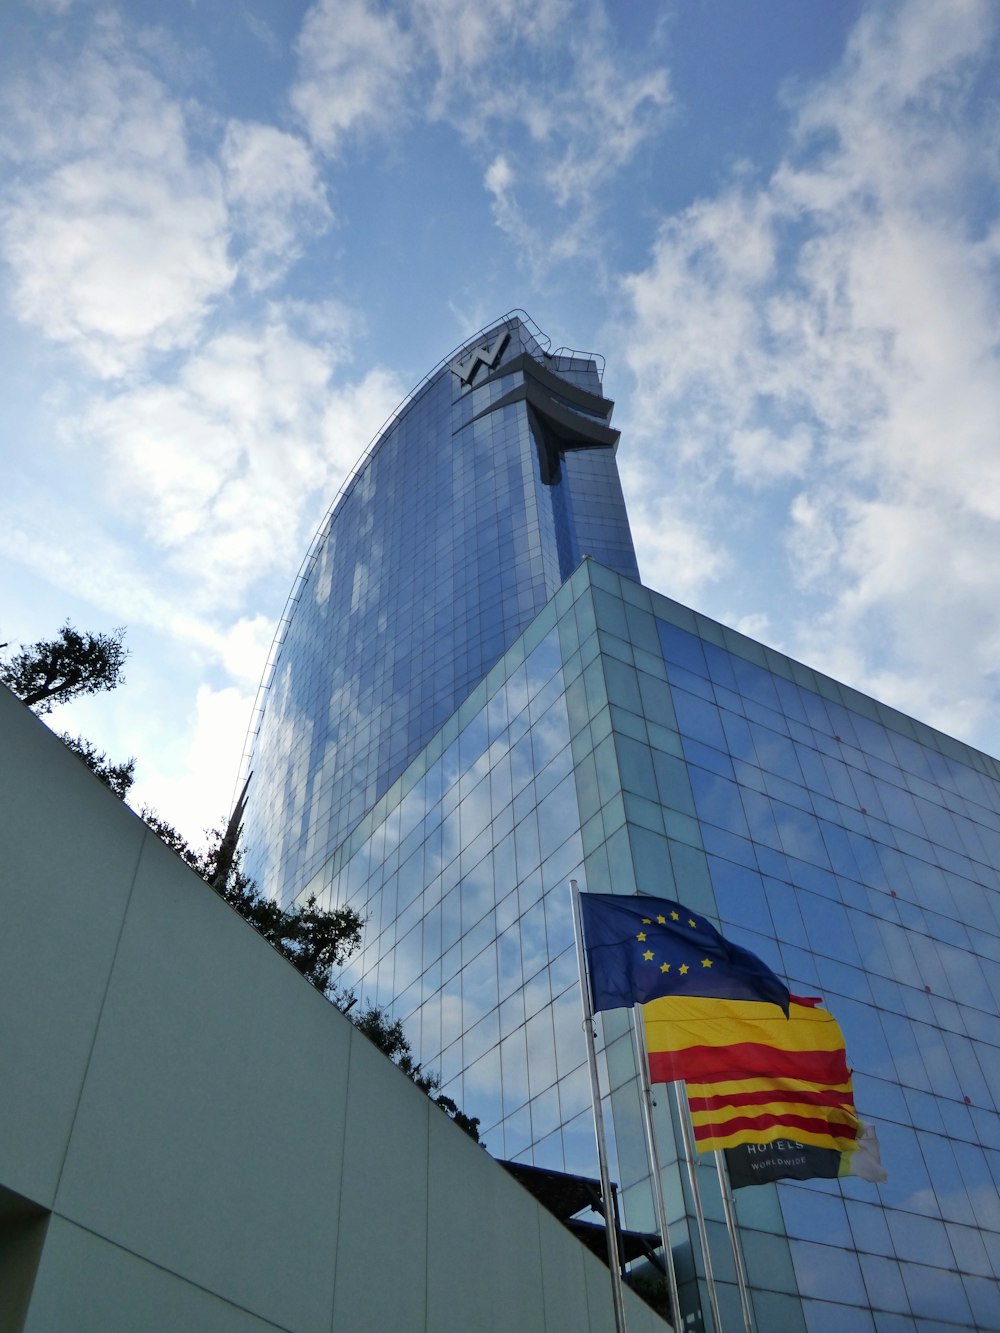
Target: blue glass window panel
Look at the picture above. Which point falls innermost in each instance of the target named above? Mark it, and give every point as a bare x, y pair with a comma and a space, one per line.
799, 970
554, 772
657, 701
984, 1301
768, 1262
969, 1250
673, 784
840, 849
840, 782
755, 682
698, 719
728, 846
775, 753
842, 980
790, 699
909, 1185
692, 682
800, 834
773, 863
922, 1240
826, 1317
636, 766
811, 1215
718, 801
682, 648
935, 1293
705, 756
720, 665
740, 895
617, 684
975, 1165
828, 1274
869, 1228
783, 902
884, 1284
789, 793
557, 817
828, 927
760, 819
739, 740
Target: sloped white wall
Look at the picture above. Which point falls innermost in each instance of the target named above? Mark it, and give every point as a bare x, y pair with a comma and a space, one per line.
219, 1148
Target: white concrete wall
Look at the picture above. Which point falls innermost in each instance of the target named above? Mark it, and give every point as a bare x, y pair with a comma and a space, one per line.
217, 1145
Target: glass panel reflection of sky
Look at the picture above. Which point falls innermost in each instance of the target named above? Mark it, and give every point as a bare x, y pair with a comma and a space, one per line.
485, 978
886, 902
859, 862
443, 548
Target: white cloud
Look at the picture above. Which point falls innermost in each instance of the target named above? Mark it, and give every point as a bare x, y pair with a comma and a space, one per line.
244, 649
465, 36
499, 181
761, 455
114, 231
355, 60
222, 465
544, 88
677, 555
569, 106
131, 212
275, 194
185, 783
829, 336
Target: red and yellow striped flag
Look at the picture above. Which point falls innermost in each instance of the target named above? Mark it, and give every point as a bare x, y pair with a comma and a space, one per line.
754, 1076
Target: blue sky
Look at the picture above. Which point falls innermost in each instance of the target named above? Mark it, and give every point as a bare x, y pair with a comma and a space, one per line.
233, 236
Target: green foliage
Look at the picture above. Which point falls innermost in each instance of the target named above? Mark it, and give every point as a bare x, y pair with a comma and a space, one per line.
390, 1038
654, 1290
119, 777
56, 670
315, 940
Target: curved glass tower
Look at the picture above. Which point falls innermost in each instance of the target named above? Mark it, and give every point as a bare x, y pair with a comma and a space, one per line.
478, 499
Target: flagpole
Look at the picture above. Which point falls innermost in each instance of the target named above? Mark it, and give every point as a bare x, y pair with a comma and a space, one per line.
734, 1240
610, 1213
642, 1060
684, 1117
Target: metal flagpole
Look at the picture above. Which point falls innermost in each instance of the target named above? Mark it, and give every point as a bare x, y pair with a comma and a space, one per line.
734, 1240
684, 1117
642, 1060
610, 1212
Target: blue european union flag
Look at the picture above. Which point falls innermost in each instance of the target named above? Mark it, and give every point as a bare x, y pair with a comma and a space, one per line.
639, 949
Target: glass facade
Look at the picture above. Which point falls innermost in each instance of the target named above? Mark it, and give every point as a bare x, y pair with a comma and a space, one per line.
629, 743
466, 514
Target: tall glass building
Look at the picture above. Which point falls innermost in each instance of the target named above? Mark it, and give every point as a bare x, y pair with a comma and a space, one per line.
474, 701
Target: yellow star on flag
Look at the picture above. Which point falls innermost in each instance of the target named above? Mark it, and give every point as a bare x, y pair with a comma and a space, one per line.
674, 916
648, 955
664, 967
662, 920
684, 969
692, 923
706, 962
641, 935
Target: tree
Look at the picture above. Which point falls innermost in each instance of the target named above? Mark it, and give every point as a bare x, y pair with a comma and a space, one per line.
72, 664
390, 1038
119, 777
315, 940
